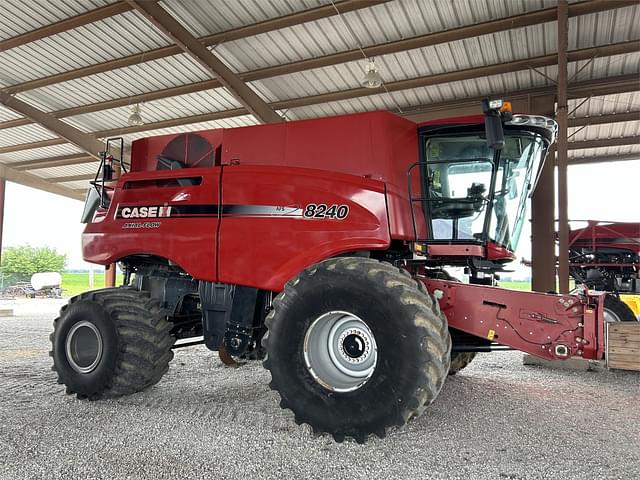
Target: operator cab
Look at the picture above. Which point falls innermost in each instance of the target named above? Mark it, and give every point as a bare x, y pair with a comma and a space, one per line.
476, 180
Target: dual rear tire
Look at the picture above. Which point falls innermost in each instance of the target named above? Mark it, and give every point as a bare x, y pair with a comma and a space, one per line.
111, 342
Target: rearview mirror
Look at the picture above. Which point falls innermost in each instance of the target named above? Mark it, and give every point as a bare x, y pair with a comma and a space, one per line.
493, 124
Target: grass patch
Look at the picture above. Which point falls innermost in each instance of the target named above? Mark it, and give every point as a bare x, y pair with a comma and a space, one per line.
76, 283
516, 285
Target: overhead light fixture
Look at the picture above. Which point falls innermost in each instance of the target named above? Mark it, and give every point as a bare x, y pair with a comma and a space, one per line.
372, 78
135, 118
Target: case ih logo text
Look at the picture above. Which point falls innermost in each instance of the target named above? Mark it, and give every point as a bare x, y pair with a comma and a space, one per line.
145, 212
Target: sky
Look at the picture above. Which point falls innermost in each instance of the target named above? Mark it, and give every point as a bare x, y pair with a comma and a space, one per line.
599, 191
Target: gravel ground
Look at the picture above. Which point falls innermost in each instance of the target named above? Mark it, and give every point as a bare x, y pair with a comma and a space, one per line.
496, 420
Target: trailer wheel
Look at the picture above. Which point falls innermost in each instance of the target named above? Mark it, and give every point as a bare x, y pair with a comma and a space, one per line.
615, 310
110, 342
354, 348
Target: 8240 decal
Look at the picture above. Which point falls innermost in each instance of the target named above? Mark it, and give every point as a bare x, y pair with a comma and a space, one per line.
321, 210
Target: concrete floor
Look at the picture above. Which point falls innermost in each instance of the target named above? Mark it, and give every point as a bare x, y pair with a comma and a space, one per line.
496, 420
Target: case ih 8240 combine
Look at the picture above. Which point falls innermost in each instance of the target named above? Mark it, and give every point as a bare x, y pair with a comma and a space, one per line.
320, 245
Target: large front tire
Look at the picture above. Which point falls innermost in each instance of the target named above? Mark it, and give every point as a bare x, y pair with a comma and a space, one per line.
111, 342
354, 348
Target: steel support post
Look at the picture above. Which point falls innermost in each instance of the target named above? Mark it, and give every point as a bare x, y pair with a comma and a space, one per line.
543, 244
110, 275
562, 149
3, 184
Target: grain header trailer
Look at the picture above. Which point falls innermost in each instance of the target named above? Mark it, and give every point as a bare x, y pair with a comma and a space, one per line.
605, 256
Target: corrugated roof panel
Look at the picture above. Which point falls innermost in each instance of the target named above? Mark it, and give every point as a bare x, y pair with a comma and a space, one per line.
202, 18
604, 131
606, 152
7, 114
19, 17
168, 108
610, 26
24, 134
378, 24
606, 66
608, 104
113, 37
155, 75
38, 153
66, 171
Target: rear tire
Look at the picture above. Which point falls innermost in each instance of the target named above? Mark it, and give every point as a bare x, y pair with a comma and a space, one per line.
615, 310
404, 355
111, 342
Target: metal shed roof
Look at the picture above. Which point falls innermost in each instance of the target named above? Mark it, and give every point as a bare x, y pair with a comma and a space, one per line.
88, 62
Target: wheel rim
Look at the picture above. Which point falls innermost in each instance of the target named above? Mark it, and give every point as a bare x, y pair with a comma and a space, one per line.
84, 347
340, 351
610, 316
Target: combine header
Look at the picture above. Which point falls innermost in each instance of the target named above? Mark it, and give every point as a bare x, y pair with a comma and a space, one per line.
322, 247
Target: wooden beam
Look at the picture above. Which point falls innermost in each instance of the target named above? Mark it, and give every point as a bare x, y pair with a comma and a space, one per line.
64, 25
604, 119
34, 181
167, 24
437, 38
71, 134
72, 178
214, 39
61, 161
605, 142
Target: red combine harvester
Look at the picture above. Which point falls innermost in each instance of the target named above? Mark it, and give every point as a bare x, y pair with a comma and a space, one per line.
321, 247
605, 256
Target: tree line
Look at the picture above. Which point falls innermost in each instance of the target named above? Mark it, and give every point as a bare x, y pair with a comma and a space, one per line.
20, 262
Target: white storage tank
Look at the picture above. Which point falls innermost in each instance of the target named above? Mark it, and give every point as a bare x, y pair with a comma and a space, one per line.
45, 279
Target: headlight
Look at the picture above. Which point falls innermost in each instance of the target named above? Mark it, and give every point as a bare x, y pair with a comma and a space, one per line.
536, 121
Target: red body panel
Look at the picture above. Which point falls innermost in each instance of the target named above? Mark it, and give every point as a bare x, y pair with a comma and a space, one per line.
376, 145
266, 250
189, 242
498, 252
